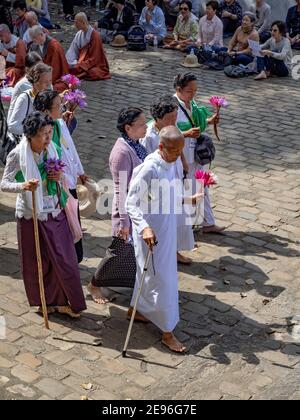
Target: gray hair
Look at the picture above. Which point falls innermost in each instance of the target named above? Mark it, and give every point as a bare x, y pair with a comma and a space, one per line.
82, 16
4, 28
35, 31
36, 71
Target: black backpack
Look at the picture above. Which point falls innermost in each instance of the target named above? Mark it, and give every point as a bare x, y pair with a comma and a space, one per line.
136, 39
205, 150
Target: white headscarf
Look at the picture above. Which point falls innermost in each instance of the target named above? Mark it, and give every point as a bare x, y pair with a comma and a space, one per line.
31, 171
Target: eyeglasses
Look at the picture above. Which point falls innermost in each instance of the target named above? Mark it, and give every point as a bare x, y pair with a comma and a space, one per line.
183, 8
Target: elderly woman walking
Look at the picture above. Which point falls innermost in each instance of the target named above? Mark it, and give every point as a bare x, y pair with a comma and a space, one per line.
25, 172
126, 155
50, 103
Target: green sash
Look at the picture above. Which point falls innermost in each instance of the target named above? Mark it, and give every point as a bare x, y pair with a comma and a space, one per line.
51, 185
199, 117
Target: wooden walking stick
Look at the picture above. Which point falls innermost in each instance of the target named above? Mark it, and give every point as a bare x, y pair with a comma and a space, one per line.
136, 302
39, 262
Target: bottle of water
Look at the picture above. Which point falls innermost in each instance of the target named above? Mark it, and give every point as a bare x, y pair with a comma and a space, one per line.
98, 5
192, 51
155, 42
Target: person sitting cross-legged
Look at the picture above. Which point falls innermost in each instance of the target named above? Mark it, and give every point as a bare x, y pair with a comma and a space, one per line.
239, 48
52, 54
86, 57
13, 49
152, 20
186, 28
277, 54
119, 18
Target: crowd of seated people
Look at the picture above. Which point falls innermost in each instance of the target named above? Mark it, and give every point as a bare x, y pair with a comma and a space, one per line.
172, 24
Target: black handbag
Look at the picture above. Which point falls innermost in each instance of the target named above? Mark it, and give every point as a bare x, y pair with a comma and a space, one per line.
118, 267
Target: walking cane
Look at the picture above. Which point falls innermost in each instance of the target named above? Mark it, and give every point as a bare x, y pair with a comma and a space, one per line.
39, 261
136, 303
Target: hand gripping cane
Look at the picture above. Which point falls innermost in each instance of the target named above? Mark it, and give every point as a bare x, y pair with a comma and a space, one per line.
149, 253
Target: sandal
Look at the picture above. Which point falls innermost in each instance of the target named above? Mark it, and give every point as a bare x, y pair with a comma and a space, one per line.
68, 311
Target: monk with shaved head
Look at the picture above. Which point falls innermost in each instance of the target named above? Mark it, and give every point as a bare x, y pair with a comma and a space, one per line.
86, 57
52, 54
13, 51
154, 199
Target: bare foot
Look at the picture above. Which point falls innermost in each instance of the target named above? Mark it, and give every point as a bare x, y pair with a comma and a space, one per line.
181, 259
170, 341
67, 310
213, 229
96, 294
138, 317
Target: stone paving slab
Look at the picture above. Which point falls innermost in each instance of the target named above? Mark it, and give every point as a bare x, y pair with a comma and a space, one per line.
237, 299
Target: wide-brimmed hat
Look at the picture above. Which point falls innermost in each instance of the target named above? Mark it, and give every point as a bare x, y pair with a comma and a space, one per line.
190, 60
119, 41
88, 195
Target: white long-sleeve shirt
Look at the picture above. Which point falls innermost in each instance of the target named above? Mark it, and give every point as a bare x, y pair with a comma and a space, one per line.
22, 107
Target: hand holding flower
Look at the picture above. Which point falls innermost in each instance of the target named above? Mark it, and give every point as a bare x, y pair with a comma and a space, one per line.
217, 102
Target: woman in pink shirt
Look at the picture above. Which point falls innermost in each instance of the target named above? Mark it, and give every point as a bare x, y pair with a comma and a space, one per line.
210, 27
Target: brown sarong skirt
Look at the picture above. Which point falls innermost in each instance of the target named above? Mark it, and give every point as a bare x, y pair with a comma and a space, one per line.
59, 261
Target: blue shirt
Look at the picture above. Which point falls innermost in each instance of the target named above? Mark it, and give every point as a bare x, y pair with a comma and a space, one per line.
157, 24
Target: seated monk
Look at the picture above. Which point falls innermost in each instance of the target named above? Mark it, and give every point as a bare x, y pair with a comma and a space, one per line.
86, 56
31, 20
13, 50
52, 54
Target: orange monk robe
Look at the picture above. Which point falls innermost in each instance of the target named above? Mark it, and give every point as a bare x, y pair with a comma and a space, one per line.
15, 71
92, 62
56, 58
53, 54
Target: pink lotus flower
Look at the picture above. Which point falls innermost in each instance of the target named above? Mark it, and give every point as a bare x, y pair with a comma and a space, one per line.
72, 81
206, 178
219, 102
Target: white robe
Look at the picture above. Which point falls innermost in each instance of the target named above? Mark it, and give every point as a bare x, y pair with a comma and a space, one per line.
185, 235
80, 40
205, 215
159, 297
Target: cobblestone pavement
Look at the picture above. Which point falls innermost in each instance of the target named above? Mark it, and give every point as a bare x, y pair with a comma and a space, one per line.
237, 299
